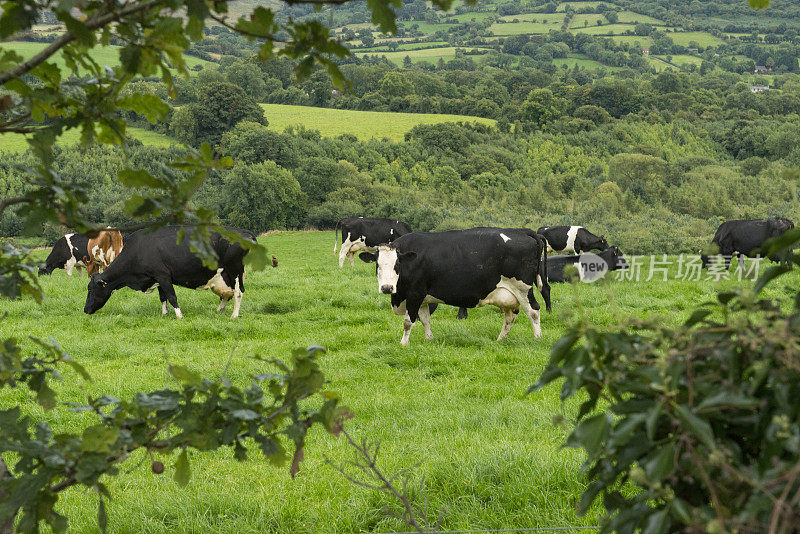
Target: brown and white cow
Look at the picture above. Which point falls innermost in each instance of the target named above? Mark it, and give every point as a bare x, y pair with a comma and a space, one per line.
80, 250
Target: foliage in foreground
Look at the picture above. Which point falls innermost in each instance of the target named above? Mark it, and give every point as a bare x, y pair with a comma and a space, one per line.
200, 414
702, 420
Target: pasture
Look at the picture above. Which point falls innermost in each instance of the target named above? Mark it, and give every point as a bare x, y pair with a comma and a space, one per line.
13, 142
428, 55
703, 39
522, 28
103, 55
451, 408
582, 62
363, 124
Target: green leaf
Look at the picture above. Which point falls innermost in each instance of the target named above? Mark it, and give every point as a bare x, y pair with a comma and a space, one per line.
152, 107
99, 438
696, 317
699, 428
183, 472
652, 420
657, 523
769, 275
660, 463
139, 178
185, 376
729, 399
591, 433
46, 397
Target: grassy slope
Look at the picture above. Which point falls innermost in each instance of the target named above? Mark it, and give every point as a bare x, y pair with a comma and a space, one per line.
702, 38
583, 62
17, 143
489, 455
362, 124
430, 55
104, 55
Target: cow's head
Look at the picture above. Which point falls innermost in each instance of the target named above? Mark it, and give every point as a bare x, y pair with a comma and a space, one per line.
97, 294
389, 265
58, 257
614, 258
602, 244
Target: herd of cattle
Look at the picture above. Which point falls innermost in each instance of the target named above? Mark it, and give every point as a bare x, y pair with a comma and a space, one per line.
420, 270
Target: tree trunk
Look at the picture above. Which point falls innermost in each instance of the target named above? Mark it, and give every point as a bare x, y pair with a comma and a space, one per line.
7, 526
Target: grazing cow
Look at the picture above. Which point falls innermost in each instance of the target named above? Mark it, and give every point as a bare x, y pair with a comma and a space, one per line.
102, 249
464, 268
81, 251
155, 259
612, 256
745, 238
366, 233
575, 239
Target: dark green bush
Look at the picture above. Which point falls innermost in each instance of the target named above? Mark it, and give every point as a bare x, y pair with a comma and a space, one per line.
691, 428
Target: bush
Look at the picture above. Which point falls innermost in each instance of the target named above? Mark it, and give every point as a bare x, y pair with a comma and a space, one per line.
250, 142
701, 419
262, 197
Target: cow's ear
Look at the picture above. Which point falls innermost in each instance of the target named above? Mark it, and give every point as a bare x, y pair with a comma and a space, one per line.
368, 257
407, 256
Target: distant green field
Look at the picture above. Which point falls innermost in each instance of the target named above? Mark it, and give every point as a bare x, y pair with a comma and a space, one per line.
521, 28
104, 55
702, 38
380, 49
606, 29
12, 142
578, 5
659, 64
629, 17
362, 124
477, 15
429, 55
686, 60
550, 18
426, 27
579, 21
585, 63
644, 42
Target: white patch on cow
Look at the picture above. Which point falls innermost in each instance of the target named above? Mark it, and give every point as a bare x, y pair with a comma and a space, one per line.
178, 313
164, 308
391, 231
218, 286
407, 326
511, 293
350, 247
72, 261
506, 239
571, 235
425, 319
237, 299
387, 275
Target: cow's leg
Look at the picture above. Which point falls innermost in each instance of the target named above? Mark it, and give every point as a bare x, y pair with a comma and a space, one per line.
462, 313
408, 324
425, 319
508, 321
165, 290
351, 256
222, 303
238, 291
531, 309
162, 296
345, 250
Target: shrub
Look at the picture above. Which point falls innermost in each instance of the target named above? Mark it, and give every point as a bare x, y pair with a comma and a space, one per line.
701, 418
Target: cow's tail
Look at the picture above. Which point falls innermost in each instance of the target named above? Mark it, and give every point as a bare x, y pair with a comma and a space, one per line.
542, 283
336, 236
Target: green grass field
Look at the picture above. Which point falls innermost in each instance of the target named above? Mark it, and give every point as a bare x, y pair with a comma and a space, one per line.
629, 17
685, 60
702, 38
582, 62
580, 21
428, 55
578, 5
546, 18
522, 28
477, 15
12, 142
606, 29
362, 124
104, 55
644, 42
452, 408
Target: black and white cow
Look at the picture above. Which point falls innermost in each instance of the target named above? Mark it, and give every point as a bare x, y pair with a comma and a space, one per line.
69, 251
155, 259
745, 238
366, 233
464, 268
612, 256
575, 239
